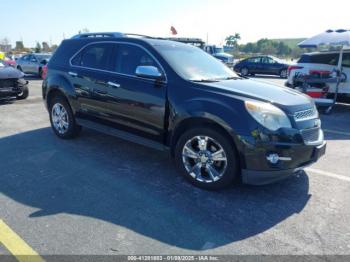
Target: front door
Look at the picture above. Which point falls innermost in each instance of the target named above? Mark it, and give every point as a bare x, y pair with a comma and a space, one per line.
138, 104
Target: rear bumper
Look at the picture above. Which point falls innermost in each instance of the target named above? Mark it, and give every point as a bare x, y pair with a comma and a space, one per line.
258, 177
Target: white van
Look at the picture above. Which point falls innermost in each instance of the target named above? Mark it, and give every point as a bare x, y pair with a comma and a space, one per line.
321, 64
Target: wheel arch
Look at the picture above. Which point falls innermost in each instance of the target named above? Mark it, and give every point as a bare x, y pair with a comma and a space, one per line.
58, 85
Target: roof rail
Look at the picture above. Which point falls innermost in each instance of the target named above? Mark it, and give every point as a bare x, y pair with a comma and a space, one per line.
99, 34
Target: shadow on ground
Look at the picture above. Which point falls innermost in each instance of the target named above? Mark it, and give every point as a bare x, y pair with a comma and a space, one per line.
125, 184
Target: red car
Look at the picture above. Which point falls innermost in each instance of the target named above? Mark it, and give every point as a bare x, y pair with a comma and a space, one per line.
9, 62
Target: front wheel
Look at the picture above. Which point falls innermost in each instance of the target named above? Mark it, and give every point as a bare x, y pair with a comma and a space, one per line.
244, 71
206, 158
24, 94
62, 118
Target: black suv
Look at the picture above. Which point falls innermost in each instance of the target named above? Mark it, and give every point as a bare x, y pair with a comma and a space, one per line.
171, 96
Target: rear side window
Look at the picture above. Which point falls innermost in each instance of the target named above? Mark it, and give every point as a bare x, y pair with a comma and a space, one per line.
254, 60
96, 56
304, 59
346, 60
129, 57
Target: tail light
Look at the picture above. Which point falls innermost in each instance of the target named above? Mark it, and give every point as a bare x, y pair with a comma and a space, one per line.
290, 68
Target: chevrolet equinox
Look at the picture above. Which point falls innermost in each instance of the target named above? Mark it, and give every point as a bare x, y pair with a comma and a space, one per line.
218, 127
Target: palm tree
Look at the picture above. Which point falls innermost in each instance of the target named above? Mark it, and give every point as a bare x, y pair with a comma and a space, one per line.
232, 40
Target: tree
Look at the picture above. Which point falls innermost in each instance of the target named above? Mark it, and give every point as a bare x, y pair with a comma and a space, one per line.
232, 40
19, 46
46, 47
37, 47
53, 48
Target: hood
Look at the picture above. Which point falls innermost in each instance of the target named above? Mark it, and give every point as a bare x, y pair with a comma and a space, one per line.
10, 72
285, 98
223, 55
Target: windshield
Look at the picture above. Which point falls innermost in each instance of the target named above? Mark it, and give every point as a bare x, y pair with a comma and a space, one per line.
192, 63
43, 57
219, 50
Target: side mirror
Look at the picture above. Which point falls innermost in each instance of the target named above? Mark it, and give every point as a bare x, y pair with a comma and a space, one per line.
151, 72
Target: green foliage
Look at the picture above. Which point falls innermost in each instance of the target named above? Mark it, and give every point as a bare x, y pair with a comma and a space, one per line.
37, 47
279, 47
232, 40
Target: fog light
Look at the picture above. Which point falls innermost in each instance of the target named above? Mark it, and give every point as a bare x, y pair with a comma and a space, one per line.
275, 158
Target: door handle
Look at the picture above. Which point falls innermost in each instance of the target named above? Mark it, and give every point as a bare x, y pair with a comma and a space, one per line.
112, 84
73, 74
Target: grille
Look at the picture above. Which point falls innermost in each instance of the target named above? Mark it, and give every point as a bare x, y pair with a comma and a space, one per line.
8, 83
310, 135
305, 114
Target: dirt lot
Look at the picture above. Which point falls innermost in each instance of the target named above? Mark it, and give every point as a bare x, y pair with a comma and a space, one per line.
101, 195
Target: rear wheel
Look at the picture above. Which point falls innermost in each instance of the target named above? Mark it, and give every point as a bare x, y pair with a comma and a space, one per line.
62, 119
206, 158
283, 73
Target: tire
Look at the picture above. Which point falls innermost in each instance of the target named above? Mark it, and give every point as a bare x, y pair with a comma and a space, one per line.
192, 161
24, 94
283, 73
244, 71
63, 124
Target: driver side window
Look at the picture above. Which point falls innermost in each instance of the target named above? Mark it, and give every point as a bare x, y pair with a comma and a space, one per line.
129, 57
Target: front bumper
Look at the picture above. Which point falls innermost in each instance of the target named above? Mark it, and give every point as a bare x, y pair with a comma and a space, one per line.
302, 156
13, 90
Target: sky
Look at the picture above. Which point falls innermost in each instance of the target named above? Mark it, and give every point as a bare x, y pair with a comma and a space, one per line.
48, 20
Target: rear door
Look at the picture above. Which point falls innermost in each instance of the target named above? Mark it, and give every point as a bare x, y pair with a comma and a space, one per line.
90, 74
269, 66
254, 65
136, 104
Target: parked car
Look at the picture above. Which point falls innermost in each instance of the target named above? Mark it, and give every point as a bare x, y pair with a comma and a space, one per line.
267, 65
9, 62
171, 96
33, 63
12, 83
219, 53
322, 64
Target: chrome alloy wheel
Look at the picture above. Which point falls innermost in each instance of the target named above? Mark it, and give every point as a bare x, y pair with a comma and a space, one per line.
60, 119
204, 159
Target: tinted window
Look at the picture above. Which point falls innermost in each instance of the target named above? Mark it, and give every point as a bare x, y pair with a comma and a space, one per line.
267, 60
129, 57
254, 60
304, 59
327, 59
26, 57
346, 60
94, 56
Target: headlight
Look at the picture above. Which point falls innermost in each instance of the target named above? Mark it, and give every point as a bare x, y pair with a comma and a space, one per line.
268, 115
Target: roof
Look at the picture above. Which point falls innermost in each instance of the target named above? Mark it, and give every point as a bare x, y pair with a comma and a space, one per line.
149, 39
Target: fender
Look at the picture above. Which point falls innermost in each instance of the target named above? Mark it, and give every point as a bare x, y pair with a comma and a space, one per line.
60, 83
